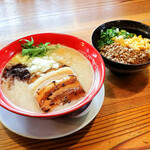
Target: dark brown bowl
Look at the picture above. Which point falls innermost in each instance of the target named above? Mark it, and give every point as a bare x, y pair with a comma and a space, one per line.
131, 26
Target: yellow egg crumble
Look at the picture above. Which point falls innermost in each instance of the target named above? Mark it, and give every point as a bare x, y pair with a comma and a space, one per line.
136, 42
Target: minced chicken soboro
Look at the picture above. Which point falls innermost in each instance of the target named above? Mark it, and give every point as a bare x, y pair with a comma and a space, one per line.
20, 93
125, 55
121, 46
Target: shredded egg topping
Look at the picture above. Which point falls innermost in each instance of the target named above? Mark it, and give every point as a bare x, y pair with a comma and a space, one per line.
136, 42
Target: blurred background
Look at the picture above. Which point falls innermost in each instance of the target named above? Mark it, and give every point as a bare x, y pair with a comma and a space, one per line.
22, 17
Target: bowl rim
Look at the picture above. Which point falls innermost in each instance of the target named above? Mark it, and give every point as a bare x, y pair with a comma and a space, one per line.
131, 65
87, 98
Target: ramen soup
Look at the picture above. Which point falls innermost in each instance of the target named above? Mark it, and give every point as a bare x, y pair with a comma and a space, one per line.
47, 81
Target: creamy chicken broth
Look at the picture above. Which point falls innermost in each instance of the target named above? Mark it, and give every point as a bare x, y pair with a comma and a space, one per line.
21, 93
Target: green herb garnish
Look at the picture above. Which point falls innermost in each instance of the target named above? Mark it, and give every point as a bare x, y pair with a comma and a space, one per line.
107, 35
34, 50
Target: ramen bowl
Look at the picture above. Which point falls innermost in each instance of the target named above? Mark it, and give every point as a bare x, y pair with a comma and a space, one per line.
79, 45
131, 26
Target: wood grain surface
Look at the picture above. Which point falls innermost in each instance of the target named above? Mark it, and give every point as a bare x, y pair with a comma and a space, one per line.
123, 122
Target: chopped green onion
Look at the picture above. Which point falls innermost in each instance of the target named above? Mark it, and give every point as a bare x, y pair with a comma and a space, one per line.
107, 35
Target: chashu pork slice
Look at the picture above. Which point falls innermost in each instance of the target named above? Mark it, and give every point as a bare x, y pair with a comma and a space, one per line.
57, 88
51, 76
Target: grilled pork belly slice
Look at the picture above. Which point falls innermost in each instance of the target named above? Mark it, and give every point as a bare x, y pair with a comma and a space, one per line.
51, 76
57, 88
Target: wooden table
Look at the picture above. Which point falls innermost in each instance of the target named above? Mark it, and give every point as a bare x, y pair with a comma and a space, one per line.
123, 122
